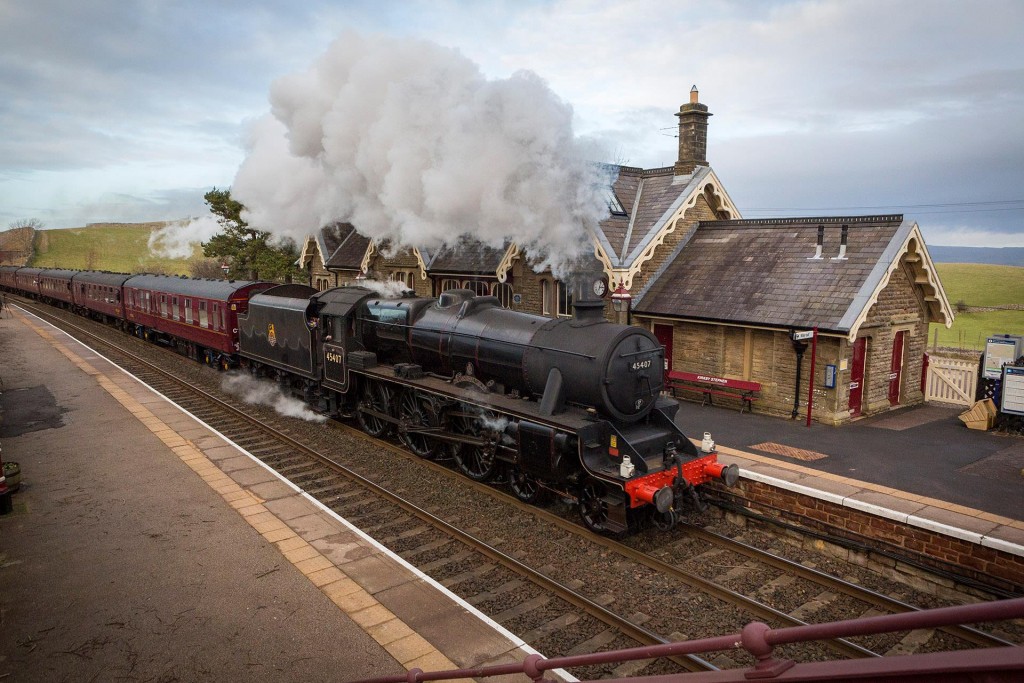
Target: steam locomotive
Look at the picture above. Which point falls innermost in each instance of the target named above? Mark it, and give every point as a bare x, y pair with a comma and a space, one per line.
570, 406
573, 406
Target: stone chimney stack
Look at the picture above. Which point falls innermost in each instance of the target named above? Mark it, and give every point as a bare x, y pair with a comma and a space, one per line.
693, 135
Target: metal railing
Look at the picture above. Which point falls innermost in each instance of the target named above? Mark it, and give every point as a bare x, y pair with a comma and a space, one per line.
998, 664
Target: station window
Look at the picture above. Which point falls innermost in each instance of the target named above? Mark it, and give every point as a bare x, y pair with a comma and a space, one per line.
449, 284
564, 300
545, 297
503, 291
188, 310
204, 320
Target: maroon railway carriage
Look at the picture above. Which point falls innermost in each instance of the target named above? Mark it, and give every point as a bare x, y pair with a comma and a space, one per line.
7, 279
27, 280
200, 317
99, 293
55, 286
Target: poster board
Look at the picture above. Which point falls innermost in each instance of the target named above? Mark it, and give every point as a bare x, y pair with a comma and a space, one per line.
1000, 351
1013, 391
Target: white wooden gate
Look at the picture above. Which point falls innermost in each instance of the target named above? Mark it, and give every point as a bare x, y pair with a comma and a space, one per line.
951, 380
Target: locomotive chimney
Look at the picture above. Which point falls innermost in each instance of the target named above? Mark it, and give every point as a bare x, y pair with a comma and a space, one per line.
587, 306
693, 135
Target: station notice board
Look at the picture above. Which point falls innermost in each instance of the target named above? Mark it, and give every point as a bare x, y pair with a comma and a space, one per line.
1013, 390
1000, 351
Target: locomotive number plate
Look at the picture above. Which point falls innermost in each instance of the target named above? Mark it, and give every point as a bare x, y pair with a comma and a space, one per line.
640, 365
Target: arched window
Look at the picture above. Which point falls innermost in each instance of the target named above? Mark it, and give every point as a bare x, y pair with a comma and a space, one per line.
503, 291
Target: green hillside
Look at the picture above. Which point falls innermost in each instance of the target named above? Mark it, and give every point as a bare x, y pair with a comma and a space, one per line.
973, 285
119, 247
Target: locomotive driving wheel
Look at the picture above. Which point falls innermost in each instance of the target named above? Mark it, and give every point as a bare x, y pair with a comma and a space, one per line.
593, 508
476, 462
416, 409
525, 487
377, 398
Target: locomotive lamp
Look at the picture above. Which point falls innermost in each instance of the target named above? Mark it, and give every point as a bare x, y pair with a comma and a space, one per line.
621, 302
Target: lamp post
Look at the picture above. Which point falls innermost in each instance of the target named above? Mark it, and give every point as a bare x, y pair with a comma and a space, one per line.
622, 300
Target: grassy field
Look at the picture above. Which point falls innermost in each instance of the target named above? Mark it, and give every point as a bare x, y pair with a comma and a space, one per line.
977, 285
116, 247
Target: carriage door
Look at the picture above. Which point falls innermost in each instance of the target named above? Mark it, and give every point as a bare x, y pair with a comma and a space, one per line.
857, 376
664, 335
896, 369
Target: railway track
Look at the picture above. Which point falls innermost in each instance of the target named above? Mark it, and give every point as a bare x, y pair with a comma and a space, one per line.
557, 590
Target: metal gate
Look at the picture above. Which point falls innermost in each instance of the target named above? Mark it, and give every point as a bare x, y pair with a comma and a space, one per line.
951, 380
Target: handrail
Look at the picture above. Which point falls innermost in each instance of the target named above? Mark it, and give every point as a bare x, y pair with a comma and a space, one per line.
759, 640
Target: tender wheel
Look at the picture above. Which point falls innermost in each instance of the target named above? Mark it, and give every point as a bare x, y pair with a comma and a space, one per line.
376, 397
593, 509
414, 410
524, 486
476, 462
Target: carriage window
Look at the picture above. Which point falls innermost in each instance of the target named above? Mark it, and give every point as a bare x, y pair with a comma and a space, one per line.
216, 316
204, 320
564, 300
163, 306
174, 308
188, 310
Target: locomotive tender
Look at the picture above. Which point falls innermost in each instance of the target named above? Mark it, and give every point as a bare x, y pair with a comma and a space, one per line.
572, 406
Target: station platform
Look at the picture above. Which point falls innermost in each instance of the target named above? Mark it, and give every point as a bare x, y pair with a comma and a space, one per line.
919, 465
145, 545
142, 545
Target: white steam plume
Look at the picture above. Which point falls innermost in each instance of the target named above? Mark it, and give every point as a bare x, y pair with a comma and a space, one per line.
179, 240
268, 394
410, 143
386, 288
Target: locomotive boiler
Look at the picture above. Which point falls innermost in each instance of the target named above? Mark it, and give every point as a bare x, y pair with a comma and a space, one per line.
572, 406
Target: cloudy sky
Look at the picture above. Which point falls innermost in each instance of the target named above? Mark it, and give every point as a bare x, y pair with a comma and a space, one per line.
130, 110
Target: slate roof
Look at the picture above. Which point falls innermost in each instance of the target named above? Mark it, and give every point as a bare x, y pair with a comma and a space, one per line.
649, 197
761, 271
350, 249
468, 256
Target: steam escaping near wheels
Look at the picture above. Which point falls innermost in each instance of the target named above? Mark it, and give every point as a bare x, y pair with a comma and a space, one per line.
266, 393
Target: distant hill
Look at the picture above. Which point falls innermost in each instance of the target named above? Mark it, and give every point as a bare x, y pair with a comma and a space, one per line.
119, 247
996, 256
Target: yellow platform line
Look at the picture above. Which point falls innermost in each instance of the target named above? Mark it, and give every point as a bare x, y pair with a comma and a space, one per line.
409, 648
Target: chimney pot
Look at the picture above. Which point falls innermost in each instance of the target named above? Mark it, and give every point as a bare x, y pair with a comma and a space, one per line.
693, 135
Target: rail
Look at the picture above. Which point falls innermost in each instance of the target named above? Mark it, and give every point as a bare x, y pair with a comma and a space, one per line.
998, 664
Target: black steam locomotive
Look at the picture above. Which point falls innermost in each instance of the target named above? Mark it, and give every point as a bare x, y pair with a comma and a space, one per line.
572, 406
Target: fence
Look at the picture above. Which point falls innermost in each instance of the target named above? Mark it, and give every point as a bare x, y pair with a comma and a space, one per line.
951, 380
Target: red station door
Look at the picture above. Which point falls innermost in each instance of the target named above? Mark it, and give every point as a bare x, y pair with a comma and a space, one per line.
664, 335
857, 376
896, 369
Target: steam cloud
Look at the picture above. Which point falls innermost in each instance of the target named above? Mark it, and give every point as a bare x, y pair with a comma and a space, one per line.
410, 143
179, 240
267, 394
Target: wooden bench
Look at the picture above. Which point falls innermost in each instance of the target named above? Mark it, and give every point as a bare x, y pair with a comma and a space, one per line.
711, 386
